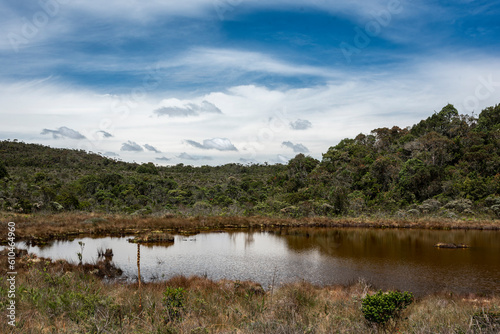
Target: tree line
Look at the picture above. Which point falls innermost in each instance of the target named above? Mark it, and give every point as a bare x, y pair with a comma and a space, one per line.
446, 165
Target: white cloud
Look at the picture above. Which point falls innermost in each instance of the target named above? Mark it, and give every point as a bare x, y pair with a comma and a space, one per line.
63, 132
176, 108
185, 156
220, 144
210, 61
297, 148
281, 159
300, 124
105, 134
131, 147
151, 148
111, 154
255, 118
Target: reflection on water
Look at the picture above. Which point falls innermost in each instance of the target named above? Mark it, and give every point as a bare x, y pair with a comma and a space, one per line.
389, 259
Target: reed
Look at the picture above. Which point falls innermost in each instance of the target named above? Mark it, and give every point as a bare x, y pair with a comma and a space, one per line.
105, 253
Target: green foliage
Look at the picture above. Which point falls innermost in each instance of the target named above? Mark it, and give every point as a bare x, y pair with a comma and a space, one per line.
3, 171
174, 303
148, 168
62, 297
382, 307
489, 119
68, 200
439, 122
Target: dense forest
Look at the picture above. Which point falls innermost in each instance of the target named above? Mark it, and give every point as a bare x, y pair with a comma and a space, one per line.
446, 165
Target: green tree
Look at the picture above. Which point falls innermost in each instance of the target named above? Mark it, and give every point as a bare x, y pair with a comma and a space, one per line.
148, 168
3, 171
298, 170
440, 122
489, 119
415, 178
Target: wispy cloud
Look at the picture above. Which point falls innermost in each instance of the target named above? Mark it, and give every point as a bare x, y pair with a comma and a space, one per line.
105, 134
208, 77
111, 154
165, 159
186, 156
300, 124
220, 144
131, 147
189, 109
297, 148
63, 132
216, 60
151, 148
282, 159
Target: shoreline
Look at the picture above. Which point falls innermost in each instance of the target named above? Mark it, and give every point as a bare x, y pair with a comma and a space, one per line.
50, 291
45, 227
51, 297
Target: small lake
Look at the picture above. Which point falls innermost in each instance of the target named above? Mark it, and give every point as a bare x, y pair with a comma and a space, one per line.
389, 259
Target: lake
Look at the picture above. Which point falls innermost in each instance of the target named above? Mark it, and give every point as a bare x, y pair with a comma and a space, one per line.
400, 259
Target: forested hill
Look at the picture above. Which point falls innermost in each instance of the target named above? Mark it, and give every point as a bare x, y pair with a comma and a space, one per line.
446, 165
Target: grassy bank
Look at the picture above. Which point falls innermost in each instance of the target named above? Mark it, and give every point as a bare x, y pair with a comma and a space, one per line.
58, 297
42, 227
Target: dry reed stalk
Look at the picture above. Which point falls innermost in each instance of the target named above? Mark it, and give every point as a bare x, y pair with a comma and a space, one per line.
139, 275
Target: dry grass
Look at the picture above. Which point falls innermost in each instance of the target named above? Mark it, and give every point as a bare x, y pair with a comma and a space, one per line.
58, 297
39, 227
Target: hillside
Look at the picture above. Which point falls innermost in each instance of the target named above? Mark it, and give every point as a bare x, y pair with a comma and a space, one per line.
446, 165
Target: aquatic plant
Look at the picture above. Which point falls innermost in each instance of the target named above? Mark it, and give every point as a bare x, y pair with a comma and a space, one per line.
80, 253
107, 254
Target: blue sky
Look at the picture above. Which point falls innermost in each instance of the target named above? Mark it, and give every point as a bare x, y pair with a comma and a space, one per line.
217, 81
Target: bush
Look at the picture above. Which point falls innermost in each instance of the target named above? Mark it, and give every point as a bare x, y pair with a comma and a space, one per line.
3, 171
148, 168
174, 303
430, 205
459, 205
67, 200
380, 308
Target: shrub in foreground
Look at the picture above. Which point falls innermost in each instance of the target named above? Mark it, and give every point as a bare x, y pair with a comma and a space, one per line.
174, 303
379, 309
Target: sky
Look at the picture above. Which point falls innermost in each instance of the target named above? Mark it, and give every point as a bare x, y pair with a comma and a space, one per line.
210, 82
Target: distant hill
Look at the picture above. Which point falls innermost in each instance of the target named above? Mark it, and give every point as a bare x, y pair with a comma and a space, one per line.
446, 165
19, 154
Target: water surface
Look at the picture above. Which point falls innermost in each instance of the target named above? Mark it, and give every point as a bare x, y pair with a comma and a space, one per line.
389, 259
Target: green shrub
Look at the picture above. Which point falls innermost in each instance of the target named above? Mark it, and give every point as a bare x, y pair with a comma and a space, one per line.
381, 307
68, 200
174, 303
3, 171
148, 168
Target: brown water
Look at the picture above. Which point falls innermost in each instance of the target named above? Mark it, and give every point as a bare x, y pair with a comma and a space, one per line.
389, 259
